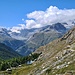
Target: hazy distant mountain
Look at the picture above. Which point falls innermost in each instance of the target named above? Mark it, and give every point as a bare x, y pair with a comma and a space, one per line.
8, 40
42, 37
24, 34
25, 41
4, 33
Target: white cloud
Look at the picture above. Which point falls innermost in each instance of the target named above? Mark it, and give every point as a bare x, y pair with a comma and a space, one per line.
50, 16
22, 19
18, 28
32, 24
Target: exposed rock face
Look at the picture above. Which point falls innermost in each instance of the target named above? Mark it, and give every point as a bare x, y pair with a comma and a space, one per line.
59, 55
42, 37
69, 73
69, 36
25, 41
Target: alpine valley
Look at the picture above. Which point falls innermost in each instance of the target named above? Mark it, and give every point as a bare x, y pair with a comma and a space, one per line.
49, 50
26, 41
37, 37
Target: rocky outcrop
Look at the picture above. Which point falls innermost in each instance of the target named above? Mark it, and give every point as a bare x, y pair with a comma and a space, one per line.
59, 55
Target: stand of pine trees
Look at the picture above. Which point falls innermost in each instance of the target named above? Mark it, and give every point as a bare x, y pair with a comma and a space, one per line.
14, 62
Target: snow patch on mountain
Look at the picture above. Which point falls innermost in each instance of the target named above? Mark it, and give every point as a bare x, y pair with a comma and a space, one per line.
17, 28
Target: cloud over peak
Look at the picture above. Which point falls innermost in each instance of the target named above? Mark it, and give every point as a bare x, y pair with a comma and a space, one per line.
18, 28
51, 15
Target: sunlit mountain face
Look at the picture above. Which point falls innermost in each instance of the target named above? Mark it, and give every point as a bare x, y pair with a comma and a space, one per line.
25, 41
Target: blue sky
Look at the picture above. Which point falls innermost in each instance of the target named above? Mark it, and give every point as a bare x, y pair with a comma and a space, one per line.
12, 11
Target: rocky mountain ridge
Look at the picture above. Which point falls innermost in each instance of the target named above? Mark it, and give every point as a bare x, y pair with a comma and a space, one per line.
28, 40
42, 37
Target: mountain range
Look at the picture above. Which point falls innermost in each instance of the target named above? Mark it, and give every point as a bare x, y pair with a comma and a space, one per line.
55, 44
56, 58
42, 37
28, 40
